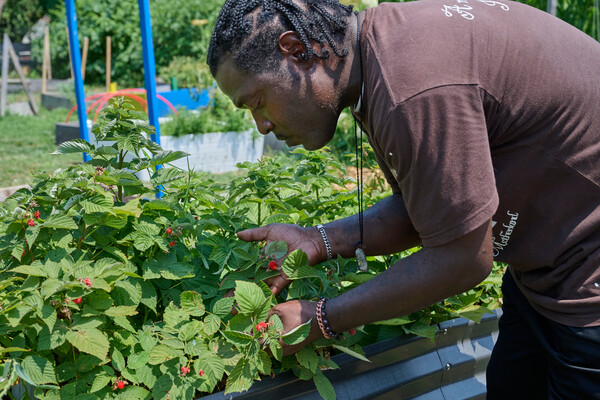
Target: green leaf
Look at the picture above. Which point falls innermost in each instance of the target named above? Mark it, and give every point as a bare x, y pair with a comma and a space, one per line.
240, 339
34, 270
101, 381
296, 266
121, 311
191, 303
161, 353
223, 306
324, 386
240, 378
39, 369
90, 341
395, 321
212, 323
249, 297
60, 221
138, 360
298, 334
97, 204
351, 352
167, 156
276, 249
118, 361
74, 146
262, 362
308, 358
189, 330
163, 388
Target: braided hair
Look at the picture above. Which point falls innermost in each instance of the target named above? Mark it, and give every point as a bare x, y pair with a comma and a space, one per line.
248, 31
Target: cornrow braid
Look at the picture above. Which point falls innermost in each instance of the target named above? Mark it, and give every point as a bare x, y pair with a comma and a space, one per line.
248, 31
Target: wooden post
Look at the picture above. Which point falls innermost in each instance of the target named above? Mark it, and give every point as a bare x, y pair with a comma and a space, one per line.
108, 62
86, 45
8, 48
4, 88
46, 68
47, 53
70, 59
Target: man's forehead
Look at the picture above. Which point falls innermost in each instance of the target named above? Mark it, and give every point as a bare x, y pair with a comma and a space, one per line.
235, 84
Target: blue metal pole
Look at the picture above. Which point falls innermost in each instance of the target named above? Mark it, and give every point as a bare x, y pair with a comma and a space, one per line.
76, 65
149, 66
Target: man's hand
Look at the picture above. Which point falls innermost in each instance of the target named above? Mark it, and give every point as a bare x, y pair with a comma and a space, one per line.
293, 314
307, 239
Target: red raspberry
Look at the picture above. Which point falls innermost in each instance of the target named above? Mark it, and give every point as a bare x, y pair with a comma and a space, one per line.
352, 331
88, 282
201, 372
169, 231
30, 222
120, 384
185, 370
36, 215
172, 244
261, 326
272, 265
77, 300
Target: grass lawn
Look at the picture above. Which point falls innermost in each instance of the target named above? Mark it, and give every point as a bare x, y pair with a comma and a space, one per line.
25, 146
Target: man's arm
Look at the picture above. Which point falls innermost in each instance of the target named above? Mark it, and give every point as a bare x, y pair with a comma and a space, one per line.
387, 230
419, 280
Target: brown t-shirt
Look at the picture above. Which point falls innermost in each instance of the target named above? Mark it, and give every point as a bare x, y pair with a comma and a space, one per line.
483, 109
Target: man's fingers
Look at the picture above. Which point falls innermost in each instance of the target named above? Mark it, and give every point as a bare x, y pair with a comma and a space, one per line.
254, 234
277, 284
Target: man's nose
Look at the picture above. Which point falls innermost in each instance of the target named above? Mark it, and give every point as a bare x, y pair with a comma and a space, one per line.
263, 124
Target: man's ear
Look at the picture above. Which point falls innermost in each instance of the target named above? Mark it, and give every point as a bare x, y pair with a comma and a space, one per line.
292, 47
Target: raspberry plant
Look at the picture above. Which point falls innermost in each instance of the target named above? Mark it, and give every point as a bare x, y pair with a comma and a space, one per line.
115, 293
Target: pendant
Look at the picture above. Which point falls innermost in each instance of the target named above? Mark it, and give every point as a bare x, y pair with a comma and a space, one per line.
361, 260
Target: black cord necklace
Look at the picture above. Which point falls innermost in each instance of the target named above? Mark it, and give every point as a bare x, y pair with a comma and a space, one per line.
361, 259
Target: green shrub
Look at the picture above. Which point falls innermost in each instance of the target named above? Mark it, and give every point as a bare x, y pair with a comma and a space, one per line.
109, 292
219, 116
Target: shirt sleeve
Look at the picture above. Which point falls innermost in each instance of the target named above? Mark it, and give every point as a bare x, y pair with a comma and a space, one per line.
437, 147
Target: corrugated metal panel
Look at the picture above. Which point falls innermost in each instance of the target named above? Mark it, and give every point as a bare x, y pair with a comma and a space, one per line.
450, 368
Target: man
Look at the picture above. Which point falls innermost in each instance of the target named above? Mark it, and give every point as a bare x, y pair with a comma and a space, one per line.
484, 117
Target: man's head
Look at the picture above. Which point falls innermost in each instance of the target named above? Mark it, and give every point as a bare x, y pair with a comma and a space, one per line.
273, 57
247, 31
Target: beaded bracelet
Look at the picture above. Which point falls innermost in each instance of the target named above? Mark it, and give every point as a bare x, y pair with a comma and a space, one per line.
322, 321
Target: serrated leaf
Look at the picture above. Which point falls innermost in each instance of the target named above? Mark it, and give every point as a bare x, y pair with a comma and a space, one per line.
308, 358
121, 311
212, 323
138, 360
74, 146
351, 352
296, 266
238, 338
191, 303
324, 386
222, 307
298, 334
33, 270
100, 382
90, 341
60, 221
39, 369
167, 156
240, 378
161, 353
248, 296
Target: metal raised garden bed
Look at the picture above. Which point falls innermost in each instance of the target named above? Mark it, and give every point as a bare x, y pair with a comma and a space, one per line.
451, 367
